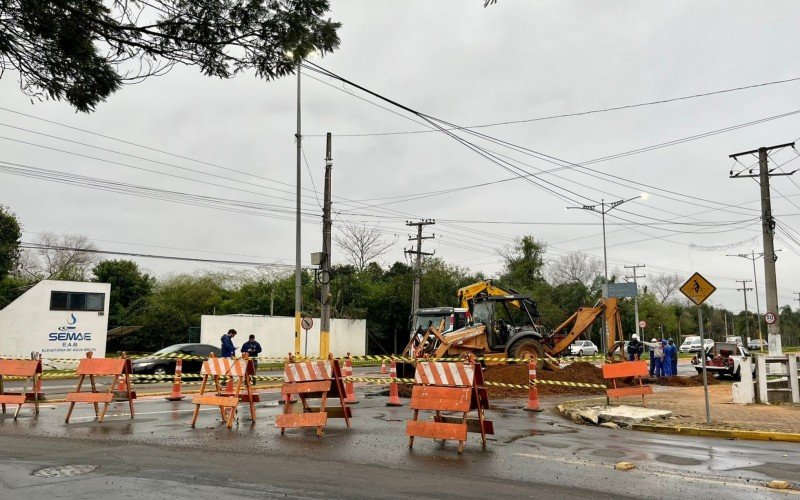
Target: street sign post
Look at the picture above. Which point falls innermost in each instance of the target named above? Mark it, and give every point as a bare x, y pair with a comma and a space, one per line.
770, 318
620, 290
698, 289
307, 322
643, 324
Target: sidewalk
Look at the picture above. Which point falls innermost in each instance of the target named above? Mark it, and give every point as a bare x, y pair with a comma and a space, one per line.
687, 405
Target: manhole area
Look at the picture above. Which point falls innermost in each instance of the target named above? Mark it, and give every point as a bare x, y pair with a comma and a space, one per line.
65, 470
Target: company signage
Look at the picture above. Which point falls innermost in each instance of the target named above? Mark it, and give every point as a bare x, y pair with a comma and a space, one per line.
70, 337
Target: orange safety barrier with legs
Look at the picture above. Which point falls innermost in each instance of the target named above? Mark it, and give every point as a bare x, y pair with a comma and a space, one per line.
119, 368
236, 369
349, 387
307, 380
626, 369
449, 387
31, 370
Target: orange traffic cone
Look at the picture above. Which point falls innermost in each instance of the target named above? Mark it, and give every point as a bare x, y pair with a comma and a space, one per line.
229, 385
533, 392
349, 390
176, 383
384, 371
394, 395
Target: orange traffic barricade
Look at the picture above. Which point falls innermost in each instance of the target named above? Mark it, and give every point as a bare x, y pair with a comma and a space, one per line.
120, 389
31, 372
312, 380
238, 371
449, 387
613, 371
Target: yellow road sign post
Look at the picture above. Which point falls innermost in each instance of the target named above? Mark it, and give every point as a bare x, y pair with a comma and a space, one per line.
698, 289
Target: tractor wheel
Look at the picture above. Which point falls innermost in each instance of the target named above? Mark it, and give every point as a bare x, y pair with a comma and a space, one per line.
527, 348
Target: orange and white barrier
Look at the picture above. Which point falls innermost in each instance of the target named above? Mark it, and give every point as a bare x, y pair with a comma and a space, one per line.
176, 382
448, 387
119, 368
349, 387
239, 369
533, 391
312, 380
31, 370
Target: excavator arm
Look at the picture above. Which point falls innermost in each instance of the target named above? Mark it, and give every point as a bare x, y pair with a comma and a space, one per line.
468, 293
580, 322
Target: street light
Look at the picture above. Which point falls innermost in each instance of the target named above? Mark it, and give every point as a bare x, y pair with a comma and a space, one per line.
604, 209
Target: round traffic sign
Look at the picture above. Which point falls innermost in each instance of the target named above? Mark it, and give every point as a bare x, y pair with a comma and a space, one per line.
643, 324
307, 322
770, 318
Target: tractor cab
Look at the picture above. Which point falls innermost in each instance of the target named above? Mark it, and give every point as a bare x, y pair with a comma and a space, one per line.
506, 318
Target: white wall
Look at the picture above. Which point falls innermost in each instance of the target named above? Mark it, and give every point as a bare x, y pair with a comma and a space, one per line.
28, 324
276, 334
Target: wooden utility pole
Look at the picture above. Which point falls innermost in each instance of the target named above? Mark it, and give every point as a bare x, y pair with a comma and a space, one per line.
418, 253
325, 274
767, 231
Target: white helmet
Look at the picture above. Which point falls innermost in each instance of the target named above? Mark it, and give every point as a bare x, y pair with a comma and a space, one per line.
634, 337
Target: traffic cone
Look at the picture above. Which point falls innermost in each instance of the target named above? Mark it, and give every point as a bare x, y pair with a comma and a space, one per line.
533, 392
176, 383
349, 390
394, 395
384, 371
229, 385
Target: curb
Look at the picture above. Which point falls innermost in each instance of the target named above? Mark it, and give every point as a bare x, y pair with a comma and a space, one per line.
719, 433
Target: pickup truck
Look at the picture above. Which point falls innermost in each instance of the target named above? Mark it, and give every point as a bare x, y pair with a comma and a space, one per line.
723, 358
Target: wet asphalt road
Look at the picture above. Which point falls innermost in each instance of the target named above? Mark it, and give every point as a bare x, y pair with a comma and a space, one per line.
158, 455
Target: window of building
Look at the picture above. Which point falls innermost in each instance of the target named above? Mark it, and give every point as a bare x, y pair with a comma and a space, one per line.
77, 301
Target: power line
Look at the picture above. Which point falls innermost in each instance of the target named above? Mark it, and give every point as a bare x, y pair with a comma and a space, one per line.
583, 113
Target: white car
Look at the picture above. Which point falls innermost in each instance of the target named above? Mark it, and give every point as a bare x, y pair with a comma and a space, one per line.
583, 348
692, 344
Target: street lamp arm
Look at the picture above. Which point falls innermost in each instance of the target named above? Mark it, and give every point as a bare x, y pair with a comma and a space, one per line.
615, 204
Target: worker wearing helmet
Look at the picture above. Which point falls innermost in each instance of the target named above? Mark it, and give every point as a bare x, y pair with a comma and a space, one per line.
667, 361
656, 357
674, 359
635, 348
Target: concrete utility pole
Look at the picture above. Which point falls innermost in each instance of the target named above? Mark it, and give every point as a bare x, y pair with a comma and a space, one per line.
744, 291
603, 210
767, 230
325, 274
418, 265
798, 298
298, 277
636, 299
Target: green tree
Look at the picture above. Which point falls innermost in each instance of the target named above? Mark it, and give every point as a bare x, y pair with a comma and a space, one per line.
524, 263
10, 236
82, 51
129, 286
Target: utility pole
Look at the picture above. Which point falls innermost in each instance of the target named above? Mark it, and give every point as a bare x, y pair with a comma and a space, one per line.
744, 291
298, 277
418, 265
325, 275
753, 256
767, 230
636, 298
603, 210
798, 298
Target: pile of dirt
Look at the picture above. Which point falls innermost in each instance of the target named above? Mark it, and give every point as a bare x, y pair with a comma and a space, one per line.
518, 374
694, 381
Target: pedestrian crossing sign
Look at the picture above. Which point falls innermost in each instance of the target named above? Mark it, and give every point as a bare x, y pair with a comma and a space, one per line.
697, 289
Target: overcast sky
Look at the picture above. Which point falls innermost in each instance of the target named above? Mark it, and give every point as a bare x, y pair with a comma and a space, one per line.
457, 61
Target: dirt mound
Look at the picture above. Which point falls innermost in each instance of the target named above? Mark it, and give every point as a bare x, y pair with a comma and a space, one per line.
693, 381
518, 374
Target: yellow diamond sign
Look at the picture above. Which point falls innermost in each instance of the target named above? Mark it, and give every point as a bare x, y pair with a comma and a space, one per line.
698, 289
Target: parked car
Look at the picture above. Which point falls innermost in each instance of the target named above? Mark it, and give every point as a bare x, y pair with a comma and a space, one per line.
583, 348
692, 344
756, 344
158, 365
724, 358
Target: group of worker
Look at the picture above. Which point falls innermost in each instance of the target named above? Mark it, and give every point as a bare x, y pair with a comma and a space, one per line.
663, 355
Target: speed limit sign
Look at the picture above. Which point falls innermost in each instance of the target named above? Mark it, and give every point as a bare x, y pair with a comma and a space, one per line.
307, 323
770, 318
643, 324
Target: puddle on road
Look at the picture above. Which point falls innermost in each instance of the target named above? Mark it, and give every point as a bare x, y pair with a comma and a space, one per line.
787, 472
672, 459
606, 453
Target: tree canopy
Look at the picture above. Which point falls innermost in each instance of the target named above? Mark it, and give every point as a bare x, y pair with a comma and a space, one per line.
82, 51
10, 236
